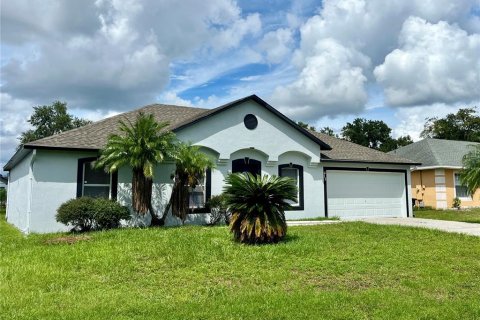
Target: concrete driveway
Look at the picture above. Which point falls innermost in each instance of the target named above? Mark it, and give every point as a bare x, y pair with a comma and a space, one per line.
447, 226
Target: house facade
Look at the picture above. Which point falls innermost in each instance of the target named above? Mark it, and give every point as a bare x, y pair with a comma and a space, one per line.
436, 182
334, 177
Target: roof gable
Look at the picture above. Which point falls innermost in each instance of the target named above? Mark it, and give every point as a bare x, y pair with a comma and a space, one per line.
262, 103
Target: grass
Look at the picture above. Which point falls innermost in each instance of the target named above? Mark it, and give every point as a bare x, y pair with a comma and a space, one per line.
340, 271
315, 219
467, 215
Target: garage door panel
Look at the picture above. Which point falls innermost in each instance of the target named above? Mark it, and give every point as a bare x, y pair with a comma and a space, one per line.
360, 194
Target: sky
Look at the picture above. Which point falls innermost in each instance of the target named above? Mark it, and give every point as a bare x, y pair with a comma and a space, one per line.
321, 62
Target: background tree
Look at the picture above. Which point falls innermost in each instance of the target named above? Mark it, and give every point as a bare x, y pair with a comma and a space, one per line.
191, 165
463, 125
306, 126
49, 120
374, 134
141, 146
328, 131
470, 175
3, 196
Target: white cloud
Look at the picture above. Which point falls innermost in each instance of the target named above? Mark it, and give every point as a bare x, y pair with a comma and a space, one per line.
435, 63
15, 113
411, 120
231, 36
277, 45
331, 81
125, 58
364, 32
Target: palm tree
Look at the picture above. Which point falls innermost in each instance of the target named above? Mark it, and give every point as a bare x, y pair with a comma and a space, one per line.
257, 205
470, 175
142, 145
191, 165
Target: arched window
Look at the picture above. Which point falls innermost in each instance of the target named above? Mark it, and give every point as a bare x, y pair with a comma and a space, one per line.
295, 172
247, 165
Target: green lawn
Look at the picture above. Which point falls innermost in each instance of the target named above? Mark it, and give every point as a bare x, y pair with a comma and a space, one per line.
339, 271
470, 215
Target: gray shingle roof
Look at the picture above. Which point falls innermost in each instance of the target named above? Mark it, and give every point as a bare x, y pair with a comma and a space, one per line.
436, 152
343, 150
94, 136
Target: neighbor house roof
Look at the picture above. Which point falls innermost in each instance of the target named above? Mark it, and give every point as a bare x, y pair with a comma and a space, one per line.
94, 136
346, 151
436, 153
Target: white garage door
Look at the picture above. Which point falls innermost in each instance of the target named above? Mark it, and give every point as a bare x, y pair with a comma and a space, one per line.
352, 194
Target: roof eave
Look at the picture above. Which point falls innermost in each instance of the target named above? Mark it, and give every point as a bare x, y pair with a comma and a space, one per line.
369, 161
436, 167
16, 158
60, 148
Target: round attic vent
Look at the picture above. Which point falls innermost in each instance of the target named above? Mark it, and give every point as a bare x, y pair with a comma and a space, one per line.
250, 121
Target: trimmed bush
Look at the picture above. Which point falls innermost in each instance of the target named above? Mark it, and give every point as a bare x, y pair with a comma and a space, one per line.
77, 213
84, 214
108, 214
218, 210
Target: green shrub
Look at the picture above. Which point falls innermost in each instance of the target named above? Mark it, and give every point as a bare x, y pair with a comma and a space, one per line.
257, 204
456, 203
84, 214
218, 210
77, 213
108, 213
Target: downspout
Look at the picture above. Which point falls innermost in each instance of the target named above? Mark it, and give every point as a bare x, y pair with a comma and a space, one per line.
30, 191
8, 192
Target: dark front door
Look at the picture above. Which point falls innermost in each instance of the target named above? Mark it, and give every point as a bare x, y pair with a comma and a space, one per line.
247, 165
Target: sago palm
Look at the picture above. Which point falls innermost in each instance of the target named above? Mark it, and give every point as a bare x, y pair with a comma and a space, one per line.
191, 165
470, 175
141, 145
257, 204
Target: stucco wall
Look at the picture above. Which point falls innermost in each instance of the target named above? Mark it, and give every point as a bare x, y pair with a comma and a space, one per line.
428, 186
223, 137
19, 190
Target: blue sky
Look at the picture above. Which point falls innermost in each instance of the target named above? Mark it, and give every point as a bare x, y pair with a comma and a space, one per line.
324, 63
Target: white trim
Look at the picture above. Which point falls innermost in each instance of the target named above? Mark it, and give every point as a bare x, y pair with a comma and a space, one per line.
435, 167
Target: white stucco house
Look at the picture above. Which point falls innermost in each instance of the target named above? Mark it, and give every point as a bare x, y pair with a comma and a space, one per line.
334, 177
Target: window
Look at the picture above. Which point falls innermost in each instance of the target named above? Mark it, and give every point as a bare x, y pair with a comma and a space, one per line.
250, 121
460, 190
247, 165
94, 182
199, 195
295, 172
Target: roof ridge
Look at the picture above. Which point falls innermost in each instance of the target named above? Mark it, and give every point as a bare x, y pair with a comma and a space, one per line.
432, 150
120, 115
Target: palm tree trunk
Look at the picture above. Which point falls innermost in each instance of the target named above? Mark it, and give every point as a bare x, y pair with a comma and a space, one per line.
141, 192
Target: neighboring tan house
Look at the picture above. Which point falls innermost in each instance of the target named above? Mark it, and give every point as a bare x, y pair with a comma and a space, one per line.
436, 182
334, 177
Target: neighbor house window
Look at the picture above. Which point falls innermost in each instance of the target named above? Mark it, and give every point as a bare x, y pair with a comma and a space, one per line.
295, 172
95, 183
460, 190
199, 195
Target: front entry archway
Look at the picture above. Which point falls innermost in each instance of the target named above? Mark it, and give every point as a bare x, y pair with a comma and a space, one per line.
247, 165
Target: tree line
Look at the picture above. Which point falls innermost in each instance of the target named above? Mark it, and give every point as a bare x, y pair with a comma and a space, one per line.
376, 134
464, 125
